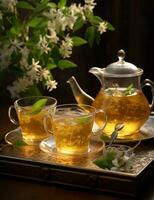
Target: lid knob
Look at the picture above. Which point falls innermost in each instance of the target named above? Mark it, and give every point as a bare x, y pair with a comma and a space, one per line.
121, 55
122, 68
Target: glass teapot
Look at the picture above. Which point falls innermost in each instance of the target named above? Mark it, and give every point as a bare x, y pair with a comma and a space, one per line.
121, 96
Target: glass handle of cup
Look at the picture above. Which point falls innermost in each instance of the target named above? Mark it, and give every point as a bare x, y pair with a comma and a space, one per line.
10, 115
46, 128
103, 125
148, 82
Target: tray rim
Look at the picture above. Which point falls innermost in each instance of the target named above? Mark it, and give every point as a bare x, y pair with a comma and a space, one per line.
98, 180
77, 168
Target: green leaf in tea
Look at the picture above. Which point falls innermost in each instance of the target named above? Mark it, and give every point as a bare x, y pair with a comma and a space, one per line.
20, 143
129, 90
38, 105
83, 120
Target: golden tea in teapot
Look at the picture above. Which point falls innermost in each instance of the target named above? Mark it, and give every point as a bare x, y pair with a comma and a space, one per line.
122, 106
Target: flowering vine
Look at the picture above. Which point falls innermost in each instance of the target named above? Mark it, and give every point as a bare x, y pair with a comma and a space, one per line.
39, 35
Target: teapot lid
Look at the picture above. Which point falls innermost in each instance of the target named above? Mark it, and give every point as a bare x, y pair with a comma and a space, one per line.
121, 67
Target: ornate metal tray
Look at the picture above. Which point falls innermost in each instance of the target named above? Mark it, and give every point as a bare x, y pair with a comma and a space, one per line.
30, 162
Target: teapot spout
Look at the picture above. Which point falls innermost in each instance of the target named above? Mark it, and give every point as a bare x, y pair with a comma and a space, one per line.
97, 72
80, 96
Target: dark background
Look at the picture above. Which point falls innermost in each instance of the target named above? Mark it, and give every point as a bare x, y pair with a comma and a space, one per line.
133, 21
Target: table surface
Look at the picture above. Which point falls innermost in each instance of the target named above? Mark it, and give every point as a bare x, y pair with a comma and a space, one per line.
20, 189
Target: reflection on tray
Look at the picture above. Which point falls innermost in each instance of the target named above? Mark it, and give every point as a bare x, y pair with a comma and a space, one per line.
146, 132
95, 149
48, 146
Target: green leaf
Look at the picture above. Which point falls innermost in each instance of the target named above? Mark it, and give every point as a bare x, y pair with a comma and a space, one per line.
38, 105
52, 5
25, 5
106, 161
44, 1
90, 35
78, 41
110, 27
15, 30
36, 21
102, 163
20, 143
95, 20
51, 66
97, 37
129, 90
83, 120
62, 3
78, 24
55, 54
64, 64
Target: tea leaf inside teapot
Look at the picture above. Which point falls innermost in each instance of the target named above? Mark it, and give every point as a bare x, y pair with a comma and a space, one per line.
129, 90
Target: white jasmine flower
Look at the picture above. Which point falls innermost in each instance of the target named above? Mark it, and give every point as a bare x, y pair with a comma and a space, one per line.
53, 36
16, 45
57, 20
89, 5
115, 162
70, 21
66, 47
10, 5
102, 28
43, 45
35, 65
24, 57
25, 51
34, 72
23, 63
51, 84
33, 75
45, 73
51, 14
76, 10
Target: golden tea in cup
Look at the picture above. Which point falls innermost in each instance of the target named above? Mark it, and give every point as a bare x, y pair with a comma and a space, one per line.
72, 127
31, 112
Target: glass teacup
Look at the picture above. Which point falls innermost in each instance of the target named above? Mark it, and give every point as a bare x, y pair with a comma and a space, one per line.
31, 112
72, 127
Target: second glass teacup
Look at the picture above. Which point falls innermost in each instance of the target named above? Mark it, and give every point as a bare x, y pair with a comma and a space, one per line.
31, 112
72, 127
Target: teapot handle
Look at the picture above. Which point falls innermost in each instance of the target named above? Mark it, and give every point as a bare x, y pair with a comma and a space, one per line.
148, 82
